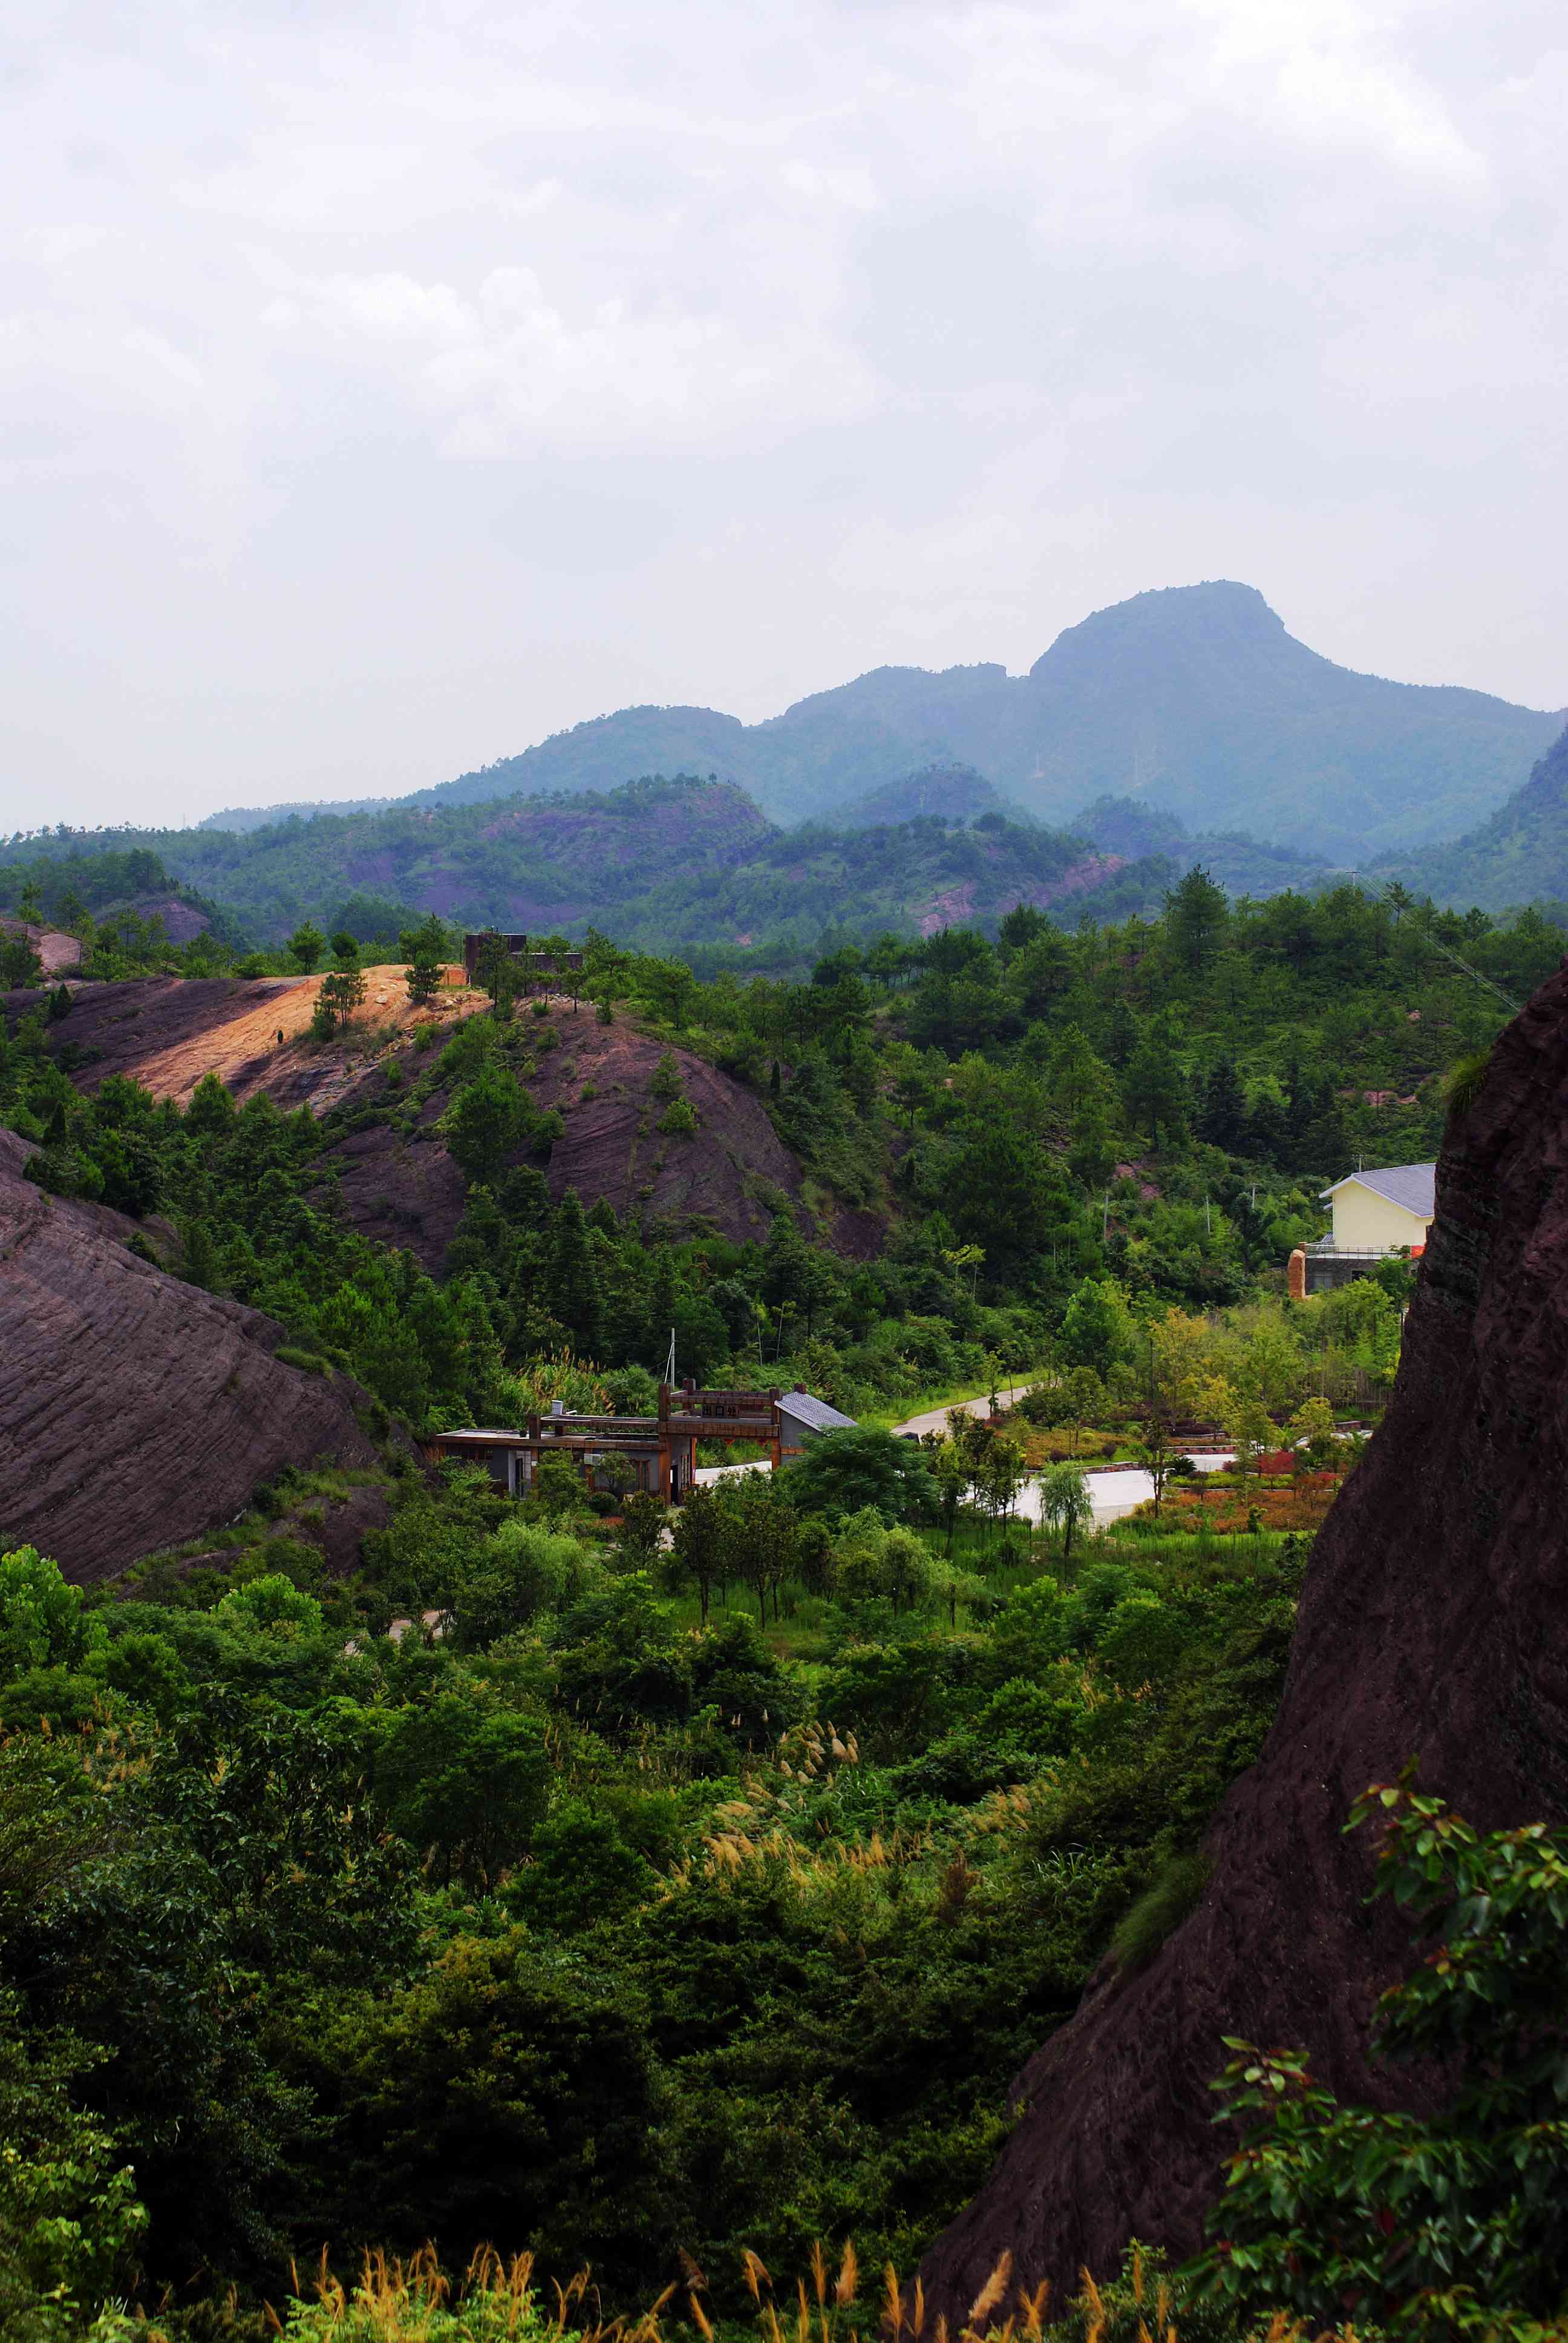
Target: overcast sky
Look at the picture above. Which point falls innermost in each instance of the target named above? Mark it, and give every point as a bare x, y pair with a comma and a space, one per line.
383, 387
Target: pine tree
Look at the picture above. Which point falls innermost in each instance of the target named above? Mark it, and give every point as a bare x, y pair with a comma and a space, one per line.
571, 1281
1197, 919
1223, 1118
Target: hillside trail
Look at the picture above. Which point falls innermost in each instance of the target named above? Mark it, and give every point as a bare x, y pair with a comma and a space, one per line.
246, 1056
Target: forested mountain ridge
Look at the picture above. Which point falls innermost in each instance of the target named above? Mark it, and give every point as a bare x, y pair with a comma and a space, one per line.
1194, 697
679, 862
1520, 856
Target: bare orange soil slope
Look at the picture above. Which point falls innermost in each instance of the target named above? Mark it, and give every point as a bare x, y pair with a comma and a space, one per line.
169, 1031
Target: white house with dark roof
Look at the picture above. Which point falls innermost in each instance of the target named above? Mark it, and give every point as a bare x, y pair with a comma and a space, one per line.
1375, 1213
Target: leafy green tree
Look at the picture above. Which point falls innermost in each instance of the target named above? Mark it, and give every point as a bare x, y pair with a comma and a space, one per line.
1065, 1503
71, 2223
42, 1620
271, 1602
464, 1784
1097, 1326
761, 1533
306, 946
341, 993
1451, 2225
503, 2097
20, 966
557, 1487
581, 1871
642, 1523
571, 1280
1223, 1117
1154, 1092
429, 941
1006, 1194
702, 1549
844, 1472
1250, 1431
424, 978
486, 1122
211, 1113
1312, 1430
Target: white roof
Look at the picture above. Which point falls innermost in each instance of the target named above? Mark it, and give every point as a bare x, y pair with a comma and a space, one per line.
1408, 1185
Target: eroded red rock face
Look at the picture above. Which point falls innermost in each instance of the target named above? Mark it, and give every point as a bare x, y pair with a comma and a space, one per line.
727, 1177
136, 1410
1433, 1626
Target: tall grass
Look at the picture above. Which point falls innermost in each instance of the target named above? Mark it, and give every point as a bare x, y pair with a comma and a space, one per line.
496, 2302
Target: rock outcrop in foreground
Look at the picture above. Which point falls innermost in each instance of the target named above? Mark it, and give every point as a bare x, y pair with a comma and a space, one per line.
136, 1410
1432, 1626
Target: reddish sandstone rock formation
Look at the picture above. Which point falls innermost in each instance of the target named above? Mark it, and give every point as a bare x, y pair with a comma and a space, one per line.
403, 1188
1432, 1626
136, 1410
729, 1176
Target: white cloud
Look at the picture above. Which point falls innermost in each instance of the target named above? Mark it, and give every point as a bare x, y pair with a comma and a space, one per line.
894, 331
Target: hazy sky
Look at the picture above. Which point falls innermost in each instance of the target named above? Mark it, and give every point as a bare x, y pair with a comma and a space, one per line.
382, 388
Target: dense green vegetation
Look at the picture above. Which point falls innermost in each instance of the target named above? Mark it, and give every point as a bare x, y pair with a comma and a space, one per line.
579, 1926
547, 1884
1520, 856
684, 860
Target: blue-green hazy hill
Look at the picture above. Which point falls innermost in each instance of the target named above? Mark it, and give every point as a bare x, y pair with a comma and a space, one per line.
1195, 699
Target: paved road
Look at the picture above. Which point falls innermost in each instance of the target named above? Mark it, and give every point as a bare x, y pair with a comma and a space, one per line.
935, 1419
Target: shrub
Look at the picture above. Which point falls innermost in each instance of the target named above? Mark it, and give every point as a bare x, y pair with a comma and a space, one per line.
679, 1118
1432, 2228
1161, 1910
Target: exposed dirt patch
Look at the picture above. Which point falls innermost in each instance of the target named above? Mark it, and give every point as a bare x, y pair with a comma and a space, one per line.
972, 897
168, 1032
60, 954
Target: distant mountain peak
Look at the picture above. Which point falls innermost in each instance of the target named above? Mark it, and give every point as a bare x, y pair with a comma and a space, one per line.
1195, 699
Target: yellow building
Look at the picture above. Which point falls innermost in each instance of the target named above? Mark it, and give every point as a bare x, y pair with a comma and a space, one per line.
1375, 1213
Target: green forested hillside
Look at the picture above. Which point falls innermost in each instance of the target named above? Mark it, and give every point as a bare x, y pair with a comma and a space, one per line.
1520, 856
682, 861
531, 1882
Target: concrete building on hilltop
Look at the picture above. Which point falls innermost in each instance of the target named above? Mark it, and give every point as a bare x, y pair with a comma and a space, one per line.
1375, 1215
